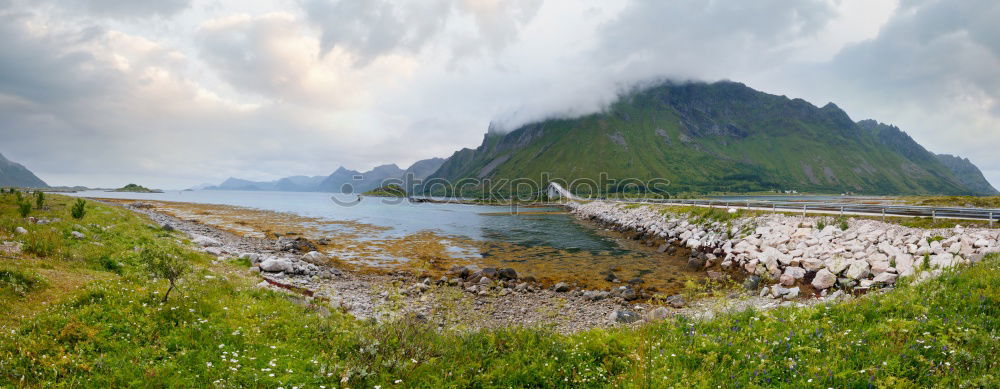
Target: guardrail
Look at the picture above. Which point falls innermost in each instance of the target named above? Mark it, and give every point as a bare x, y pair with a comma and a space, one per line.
992, 215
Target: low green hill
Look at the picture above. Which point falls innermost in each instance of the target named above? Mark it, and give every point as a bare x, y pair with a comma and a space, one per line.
704, 138
391, 190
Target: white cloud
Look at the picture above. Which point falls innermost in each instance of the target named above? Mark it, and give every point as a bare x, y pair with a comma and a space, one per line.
176, 93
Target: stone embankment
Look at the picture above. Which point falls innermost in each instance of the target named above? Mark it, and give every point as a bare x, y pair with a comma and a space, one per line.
793, 255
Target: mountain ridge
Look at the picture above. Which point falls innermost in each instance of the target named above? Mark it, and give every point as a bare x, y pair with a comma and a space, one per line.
358, 182
13, 174
712, 137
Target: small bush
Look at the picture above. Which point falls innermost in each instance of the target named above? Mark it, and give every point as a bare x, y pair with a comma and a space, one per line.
110, 265
42, 243
79, 209
165, 262
24, 208
39, 200
19, 282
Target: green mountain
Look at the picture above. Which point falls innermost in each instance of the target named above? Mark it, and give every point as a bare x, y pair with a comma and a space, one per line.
722, 136
16, 175
968, 174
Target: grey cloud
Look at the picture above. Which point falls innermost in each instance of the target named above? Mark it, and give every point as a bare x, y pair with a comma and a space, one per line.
712, 39
933, 69
372, 28
130, 8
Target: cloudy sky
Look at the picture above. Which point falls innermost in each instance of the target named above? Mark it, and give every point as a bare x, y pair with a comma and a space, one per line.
173, 93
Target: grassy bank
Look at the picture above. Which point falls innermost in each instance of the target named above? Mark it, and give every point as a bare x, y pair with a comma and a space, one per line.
87, 314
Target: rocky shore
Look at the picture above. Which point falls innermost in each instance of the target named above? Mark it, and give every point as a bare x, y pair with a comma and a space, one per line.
790, 257
469, 297
786, 260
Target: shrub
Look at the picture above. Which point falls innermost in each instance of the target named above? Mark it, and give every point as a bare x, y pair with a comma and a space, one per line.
165, 262
39, 200
24, 208
79, 209
42, 243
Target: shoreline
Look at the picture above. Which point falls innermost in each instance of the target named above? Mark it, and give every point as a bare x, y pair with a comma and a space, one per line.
787, 257
480, 299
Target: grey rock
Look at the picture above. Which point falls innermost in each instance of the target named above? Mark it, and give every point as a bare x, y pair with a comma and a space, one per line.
792, 293
315, 257
507, 274
657, 314
20, 230
561, 287
824, 279
276, 265
629, 294
168, 227
623, 316
205, 241
696, 263
78, 235
676, 301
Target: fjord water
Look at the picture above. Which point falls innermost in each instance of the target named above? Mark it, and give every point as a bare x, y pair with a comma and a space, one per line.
531, 227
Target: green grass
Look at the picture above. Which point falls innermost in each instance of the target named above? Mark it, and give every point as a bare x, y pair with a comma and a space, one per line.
18, 282
956, 201
218, 330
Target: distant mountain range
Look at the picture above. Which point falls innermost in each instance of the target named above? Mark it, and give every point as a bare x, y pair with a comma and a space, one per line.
16, 175
719, 137
341, 180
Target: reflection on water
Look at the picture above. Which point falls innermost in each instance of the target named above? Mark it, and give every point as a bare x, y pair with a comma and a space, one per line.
546, 243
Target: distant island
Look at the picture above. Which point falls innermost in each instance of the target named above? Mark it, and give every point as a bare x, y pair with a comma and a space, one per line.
391, 190
136, 189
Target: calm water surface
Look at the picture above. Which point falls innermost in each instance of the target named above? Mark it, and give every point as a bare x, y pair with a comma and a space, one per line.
471, 221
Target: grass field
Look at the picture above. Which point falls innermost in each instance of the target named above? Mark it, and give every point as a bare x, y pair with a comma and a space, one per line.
84, 313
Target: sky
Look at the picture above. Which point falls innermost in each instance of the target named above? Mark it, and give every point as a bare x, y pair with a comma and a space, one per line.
174, 93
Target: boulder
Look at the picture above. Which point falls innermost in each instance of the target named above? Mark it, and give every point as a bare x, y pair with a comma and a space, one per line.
315, 258
20, 230
696, 263
507, 274
676, 301
205, 241
77, 235
657, 314
885, 278
168, 227
795, 272
629, 294
824, 279
791, 293
786, 280
857, 270
595, 295
561, 287
837, 264
623, 316
276, 265
812, 264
